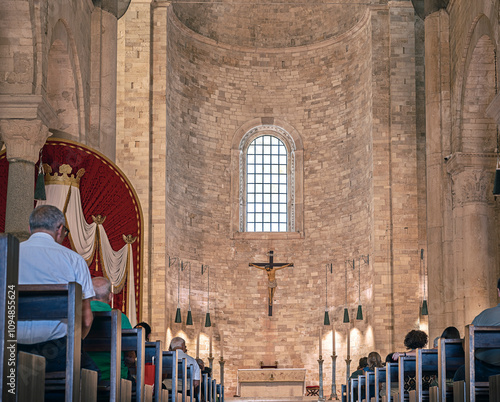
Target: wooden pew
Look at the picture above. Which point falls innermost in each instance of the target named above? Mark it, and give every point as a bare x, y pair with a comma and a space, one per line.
30, 378
153, 355
371, 391
106, 336
9, 263
361, 387
407, 366
427, 366
353, 385
55, 302
451, 357
170, 372
133, 340
477, 338
389, 376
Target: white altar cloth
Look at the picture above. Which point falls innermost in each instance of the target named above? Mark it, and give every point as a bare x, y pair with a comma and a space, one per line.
271, 382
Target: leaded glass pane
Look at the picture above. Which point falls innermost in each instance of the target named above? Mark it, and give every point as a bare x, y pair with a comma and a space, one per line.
266, 188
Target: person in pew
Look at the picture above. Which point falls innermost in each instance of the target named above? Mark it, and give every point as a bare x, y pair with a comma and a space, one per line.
179, 344
362, 366
102, 302
203, 370
487, 361
448, 333
414, 340
374, 360
146, 327
43, 260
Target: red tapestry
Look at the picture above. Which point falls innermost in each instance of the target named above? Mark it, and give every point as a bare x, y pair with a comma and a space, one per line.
104, 191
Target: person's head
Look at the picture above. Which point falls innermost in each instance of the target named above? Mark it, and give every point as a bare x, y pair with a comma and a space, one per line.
374, 360
146, 327
200, 364
388, 358
451, 333
102, 289
415, 339
178, 343
49, 219
363, 362
498, 287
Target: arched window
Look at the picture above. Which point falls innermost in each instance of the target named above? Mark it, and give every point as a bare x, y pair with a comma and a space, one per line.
267, 181
267, 202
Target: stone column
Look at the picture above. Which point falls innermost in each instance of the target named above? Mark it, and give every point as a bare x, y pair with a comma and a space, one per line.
475, 235
438, 132
23, 140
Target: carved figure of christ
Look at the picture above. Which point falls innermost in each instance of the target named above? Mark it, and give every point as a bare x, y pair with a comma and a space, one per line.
271, 267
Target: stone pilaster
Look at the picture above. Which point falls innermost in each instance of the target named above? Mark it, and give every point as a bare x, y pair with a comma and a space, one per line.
475, 234
23, 140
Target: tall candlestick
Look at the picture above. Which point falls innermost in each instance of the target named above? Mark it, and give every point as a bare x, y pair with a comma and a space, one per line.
320, 341
198, 346
348, 342
333, 341
221, 345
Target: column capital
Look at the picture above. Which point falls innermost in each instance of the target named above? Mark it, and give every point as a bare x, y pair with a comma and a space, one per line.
23, 138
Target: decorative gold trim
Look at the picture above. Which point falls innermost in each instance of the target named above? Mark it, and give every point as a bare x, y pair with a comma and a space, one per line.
65, 176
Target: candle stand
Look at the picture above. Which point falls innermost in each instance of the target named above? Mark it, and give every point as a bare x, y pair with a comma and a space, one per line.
221, 363
211, 362
333, 395
320, 363
348, 370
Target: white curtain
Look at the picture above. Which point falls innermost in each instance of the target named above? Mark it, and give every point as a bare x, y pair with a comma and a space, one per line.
116, 265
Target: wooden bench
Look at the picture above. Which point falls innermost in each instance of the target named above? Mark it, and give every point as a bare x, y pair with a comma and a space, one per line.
389, 376
133, 340
106, 336
9, 264
407, 367
57, 302
451, 357
153, 355
170, 372
353, 385
426, 366
476, 338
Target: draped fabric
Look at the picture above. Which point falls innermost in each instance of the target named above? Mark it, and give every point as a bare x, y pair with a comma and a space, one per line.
102, 212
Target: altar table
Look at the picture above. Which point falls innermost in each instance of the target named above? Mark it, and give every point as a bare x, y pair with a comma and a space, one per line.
271, 382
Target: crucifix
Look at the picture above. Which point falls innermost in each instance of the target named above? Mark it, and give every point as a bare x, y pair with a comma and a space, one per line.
271, 267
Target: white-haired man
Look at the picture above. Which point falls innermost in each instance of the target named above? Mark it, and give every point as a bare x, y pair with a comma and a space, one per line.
43, 260
179, 344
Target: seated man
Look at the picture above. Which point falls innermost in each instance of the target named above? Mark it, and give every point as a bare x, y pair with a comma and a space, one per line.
102, 302
43, 260
179, 344
487, 362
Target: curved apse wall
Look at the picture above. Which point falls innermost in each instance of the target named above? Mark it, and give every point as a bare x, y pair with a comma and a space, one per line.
324, 91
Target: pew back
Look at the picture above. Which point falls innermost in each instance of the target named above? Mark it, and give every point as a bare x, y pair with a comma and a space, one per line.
133, 341
477, 338
153, 355
9, 263
58, 302
451, 357
407, 369
105, 336
427, 370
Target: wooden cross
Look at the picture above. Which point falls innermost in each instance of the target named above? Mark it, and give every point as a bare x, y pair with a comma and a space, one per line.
270, 267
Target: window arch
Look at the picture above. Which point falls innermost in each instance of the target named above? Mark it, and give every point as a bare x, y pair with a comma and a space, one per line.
267, 168
267, 204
